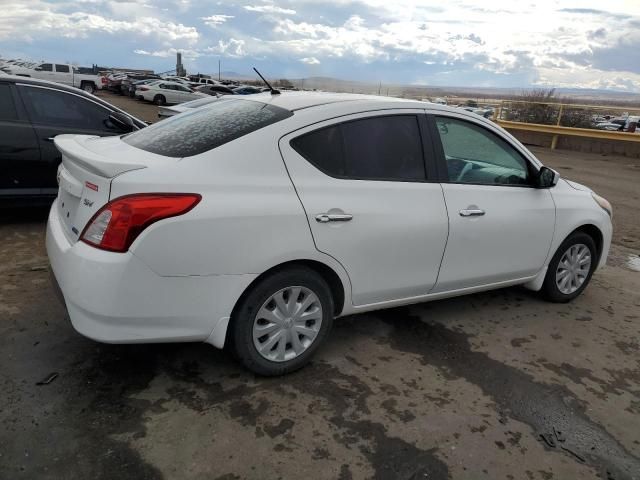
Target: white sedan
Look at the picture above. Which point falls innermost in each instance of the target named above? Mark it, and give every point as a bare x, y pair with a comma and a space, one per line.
163, 92
253, 222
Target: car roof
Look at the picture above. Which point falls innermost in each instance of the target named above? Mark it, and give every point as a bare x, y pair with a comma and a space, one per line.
293, 100
43, 83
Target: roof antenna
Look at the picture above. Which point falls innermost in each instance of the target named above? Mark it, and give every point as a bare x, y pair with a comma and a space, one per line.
273, 90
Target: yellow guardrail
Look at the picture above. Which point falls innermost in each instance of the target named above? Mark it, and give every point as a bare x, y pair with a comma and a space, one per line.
577, 132
513, 114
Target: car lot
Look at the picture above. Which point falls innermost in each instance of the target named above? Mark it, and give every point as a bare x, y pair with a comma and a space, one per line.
461, 388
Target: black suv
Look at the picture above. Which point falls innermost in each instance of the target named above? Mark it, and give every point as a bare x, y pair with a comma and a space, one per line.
32, 112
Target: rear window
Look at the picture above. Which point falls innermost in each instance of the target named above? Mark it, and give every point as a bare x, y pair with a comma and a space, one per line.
206, 128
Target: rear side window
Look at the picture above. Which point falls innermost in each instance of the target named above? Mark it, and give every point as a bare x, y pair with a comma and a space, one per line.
7, 107
62, 68
379, 148
206, 128
57, 108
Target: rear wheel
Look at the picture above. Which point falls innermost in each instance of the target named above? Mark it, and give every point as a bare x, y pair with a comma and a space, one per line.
570, 268
88, 87
282, 321
159, 100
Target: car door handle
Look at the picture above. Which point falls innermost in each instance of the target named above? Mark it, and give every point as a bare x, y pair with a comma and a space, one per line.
471, 212
333, 217
50, 139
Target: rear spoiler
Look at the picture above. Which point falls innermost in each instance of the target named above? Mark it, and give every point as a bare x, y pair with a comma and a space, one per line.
73, 150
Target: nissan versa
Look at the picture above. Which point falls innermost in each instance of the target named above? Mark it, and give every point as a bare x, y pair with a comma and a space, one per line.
252, 222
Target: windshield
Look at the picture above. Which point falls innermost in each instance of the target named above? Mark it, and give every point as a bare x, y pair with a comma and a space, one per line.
204, 129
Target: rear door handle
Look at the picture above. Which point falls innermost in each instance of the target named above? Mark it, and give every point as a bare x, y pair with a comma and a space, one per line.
471, 212
333, 217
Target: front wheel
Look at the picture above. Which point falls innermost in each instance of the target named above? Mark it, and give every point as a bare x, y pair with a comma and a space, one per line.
282, 321
570, 268
159, 100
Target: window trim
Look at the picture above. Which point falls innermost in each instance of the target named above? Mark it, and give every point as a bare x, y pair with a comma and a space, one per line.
430, 168
442, 161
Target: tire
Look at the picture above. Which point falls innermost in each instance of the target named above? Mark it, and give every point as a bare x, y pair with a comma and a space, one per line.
551, 288
159, 100
311, 288
88, 87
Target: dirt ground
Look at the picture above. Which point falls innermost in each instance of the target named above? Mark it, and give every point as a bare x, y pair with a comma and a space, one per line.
498, 385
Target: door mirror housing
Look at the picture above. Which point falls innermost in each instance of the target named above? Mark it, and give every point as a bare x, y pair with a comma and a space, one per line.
38, 69
547, 178
122, 121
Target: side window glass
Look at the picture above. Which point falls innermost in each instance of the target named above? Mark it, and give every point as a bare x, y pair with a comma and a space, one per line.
62, 68
7, 107
476, 155
57, 108
384, 148
46, 67
380, 148
323, 149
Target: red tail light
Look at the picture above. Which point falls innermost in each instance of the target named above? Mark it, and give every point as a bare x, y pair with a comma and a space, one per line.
144, 89
116, 225
104, 80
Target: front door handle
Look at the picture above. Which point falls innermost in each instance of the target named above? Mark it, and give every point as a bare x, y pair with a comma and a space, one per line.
333, 217
50, 139
471, 212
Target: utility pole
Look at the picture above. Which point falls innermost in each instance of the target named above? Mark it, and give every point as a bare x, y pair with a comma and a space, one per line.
379, 87
218, 69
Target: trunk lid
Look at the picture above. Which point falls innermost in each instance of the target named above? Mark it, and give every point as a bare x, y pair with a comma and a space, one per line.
88, 166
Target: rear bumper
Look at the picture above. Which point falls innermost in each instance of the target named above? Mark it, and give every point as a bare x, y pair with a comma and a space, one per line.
116, 298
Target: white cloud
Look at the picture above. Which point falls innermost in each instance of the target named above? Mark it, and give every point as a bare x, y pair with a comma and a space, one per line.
270, 9
310, 60
233, 48
215, 20
29, 19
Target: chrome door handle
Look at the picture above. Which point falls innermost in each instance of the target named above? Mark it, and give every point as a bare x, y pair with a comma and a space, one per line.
50, 139
471, 212
333, 217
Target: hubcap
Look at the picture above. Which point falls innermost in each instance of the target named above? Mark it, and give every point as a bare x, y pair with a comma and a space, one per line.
287, 324
573, 268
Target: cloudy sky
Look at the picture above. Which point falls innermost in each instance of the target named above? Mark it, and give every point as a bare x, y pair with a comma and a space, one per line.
501, 43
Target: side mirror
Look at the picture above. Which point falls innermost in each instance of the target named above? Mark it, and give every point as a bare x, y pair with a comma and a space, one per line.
38, 69
547, 177
122, 121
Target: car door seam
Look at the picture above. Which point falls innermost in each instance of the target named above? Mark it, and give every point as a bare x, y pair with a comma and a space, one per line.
306, 216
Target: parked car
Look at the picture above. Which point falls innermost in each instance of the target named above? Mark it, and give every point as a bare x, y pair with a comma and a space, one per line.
63, 73
125, 84
247, 90
134, 86
163, 92
203, 80
254, 221
166, 112
32, 113
214, 90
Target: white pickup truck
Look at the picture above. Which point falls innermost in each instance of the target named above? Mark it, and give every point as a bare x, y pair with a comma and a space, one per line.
60, 73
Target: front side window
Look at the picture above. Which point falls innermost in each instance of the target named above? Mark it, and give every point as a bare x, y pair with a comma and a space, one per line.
7, 107
58, 108
378, 148
206, 128
62, 68
475, 155
46, 67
